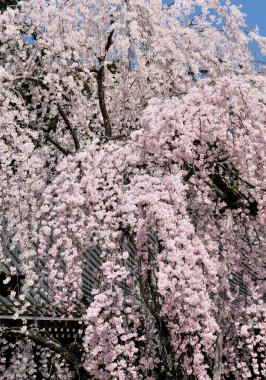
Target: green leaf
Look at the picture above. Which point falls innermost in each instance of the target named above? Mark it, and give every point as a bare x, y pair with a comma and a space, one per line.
212, 145
112, 67
86, 88
53, 123
234, 185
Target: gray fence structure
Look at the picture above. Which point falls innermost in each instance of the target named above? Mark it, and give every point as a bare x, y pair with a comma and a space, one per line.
39, 296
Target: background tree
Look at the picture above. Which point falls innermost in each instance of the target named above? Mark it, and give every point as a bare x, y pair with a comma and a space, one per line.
120, 120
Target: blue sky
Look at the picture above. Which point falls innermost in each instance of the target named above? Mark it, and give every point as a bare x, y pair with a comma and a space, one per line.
254, 9
256, 13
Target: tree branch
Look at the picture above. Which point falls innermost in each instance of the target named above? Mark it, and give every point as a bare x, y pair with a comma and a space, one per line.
52, 345
100, 75
32, 79
101, 96
69, 127
62, 149
45, 342
109, 41
61, 112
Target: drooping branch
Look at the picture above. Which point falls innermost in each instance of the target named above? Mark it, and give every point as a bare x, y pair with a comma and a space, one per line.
218, 354
150, 296
217, 369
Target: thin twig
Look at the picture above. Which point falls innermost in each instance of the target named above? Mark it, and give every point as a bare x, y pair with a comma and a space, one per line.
32, 79
237, 176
